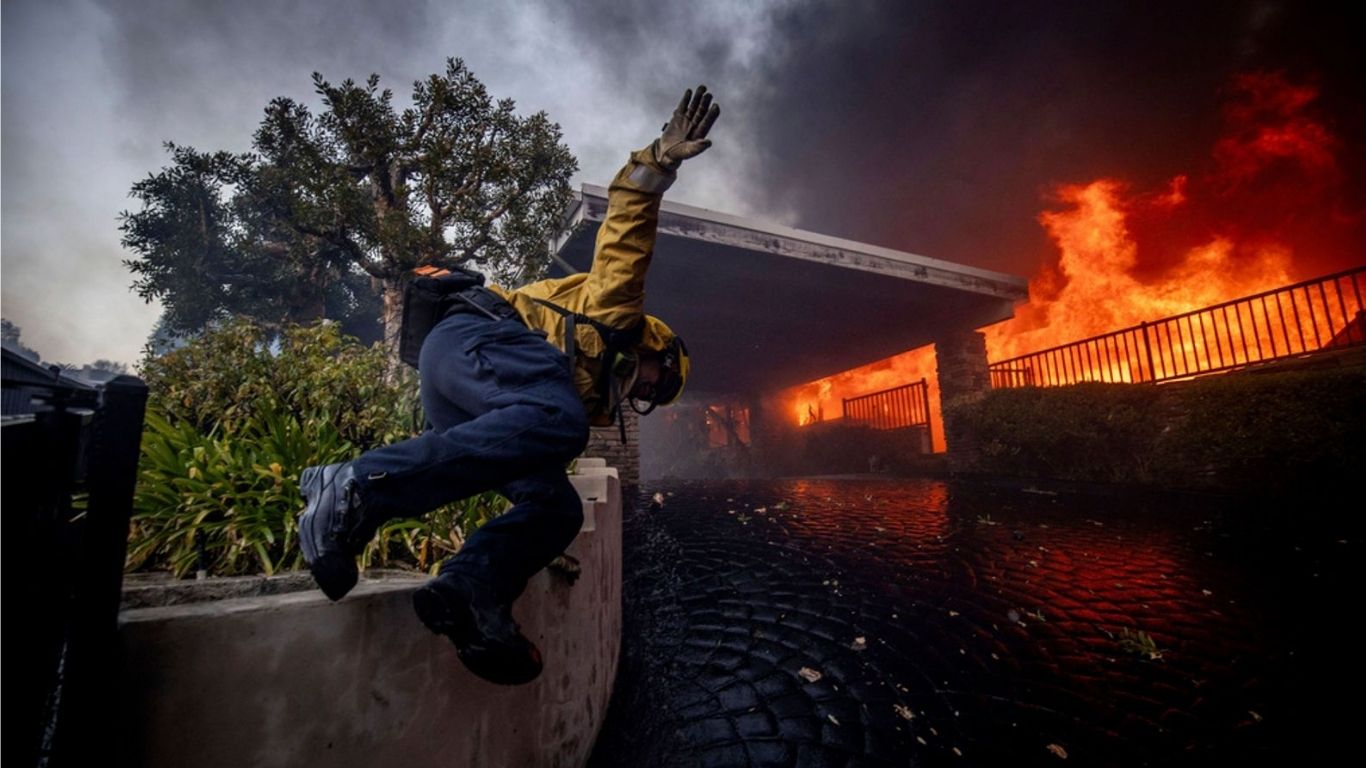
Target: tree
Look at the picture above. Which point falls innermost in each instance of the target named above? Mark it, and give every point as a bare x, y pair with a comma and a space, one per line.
331, 209
11, 334
101, 370
209, 250
161, 340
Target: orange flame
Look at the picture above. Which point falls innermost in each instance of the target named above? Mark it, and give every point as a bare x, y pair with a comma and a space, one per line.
1125, 257
822, 400
1100, 291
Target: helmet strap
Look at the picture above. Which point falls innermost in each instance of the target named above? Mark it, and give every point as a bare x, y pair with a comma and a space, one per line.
635, 406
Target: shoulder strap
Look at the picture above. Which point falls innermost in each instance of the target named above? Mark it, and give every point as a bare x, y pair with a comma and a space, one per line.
616, 339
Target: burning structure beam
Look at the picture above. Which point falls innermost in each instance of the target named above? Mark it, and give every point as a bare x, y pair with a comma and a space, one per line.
764, 306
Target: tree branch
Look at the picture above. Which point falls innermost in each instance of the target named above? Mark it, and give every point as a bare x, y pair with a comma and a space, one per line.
428, 117
343, 242
486, 226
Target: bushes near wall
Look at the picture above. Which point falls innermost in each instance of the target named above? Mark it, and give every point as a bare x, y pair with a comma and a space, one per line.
227, 376
235, 416
838, 448
1241, 432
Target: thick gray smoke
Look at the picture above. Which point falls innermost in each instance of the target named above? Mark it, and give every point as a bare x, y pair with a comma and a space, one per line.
934, 127
940, 128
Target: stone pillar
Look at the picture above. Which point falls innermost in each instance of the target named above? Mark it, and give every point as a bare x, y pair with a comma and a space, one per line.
606, 442
769, 436
961, 360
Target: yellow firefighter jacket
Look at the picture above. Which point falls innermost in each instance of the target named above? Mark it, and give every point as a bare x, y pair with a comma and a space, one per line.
613, 291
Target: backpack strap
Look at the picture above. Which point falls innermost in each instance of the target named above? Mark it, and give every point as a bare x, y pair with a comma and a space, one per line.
616, 340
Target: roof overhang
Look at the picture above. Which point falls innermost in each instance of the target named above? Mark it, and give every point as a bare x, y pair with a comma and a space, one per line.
763, 306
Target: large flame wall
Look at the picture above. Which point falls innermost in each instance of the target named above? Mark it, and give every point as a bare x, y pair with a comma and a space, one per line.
1268, 208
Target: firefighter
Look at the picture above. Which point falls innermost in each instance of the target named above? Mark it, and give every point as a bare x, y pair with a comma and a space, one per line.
510, 382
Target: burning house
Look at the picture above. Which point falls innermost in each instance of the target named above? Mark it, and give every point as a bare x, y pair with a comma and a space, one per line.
1245, 256
766, 308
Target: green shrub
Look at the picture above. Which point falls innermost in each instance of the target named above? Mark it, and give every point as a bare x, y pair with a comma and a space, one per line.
313, 371
1270, 429
234, 417
1243, 431
1084, 432
229, 496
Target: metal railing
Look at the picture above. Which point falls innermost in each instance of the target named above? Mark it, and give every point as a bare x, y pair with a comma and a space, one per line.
899, 407
1313, 316
71, 457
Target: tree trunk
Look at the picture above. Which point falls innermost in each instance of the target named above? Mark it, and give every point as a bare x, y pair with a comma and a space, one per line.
309, 303
384, 205
393, 322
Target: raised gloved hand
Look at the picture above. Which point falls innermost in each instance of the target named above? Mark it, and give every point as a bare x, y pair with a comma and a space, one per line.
685, 135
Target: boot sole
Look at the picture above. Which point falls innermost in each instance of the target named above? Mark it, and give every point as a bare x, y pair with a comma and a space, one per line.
436, 612
495, 663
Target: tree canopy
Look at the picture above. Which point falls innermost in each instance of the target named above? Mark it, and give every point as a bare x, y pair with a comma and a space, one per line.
11, 334
330, 212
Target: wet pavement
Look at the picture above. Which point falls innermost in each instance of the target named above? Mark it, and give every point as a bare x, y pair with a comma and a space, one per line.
852, 622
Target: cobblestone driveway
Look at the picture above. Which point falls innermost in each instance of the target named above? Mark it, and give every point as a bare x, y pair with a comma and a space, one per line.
878, 622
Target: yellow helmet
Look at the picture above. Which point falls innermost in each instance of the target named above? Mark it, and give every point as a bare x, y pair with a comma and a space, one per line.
658, 338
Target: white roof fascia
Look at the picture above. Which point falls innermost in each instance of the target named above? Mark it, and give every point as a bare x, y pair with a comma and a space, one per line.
751, 234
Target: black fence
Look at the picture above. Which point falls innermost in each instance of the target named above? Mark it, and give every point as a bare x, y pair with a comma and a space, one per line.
1314, 316
70, 465
897, 408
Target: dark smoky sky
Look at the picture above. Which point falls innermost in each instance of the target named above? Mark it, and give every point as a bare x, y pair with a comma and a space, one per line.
937, 128
940, 128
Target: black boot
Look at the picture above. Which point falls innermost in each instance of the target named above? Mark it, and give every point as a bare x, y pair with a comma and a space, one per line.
486, 638
333, 528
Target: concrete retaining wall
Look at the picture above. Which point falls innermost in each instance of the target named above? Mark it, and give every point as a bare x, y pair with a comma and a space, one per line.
293, 679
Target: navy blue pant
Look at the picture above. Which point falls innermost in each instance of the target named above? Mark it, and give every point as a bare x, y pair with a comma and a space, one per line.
503, 413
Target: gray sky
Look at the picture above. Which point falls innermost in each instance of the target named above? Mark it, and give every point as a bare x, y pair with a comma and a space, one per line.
933, 127
91, 90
